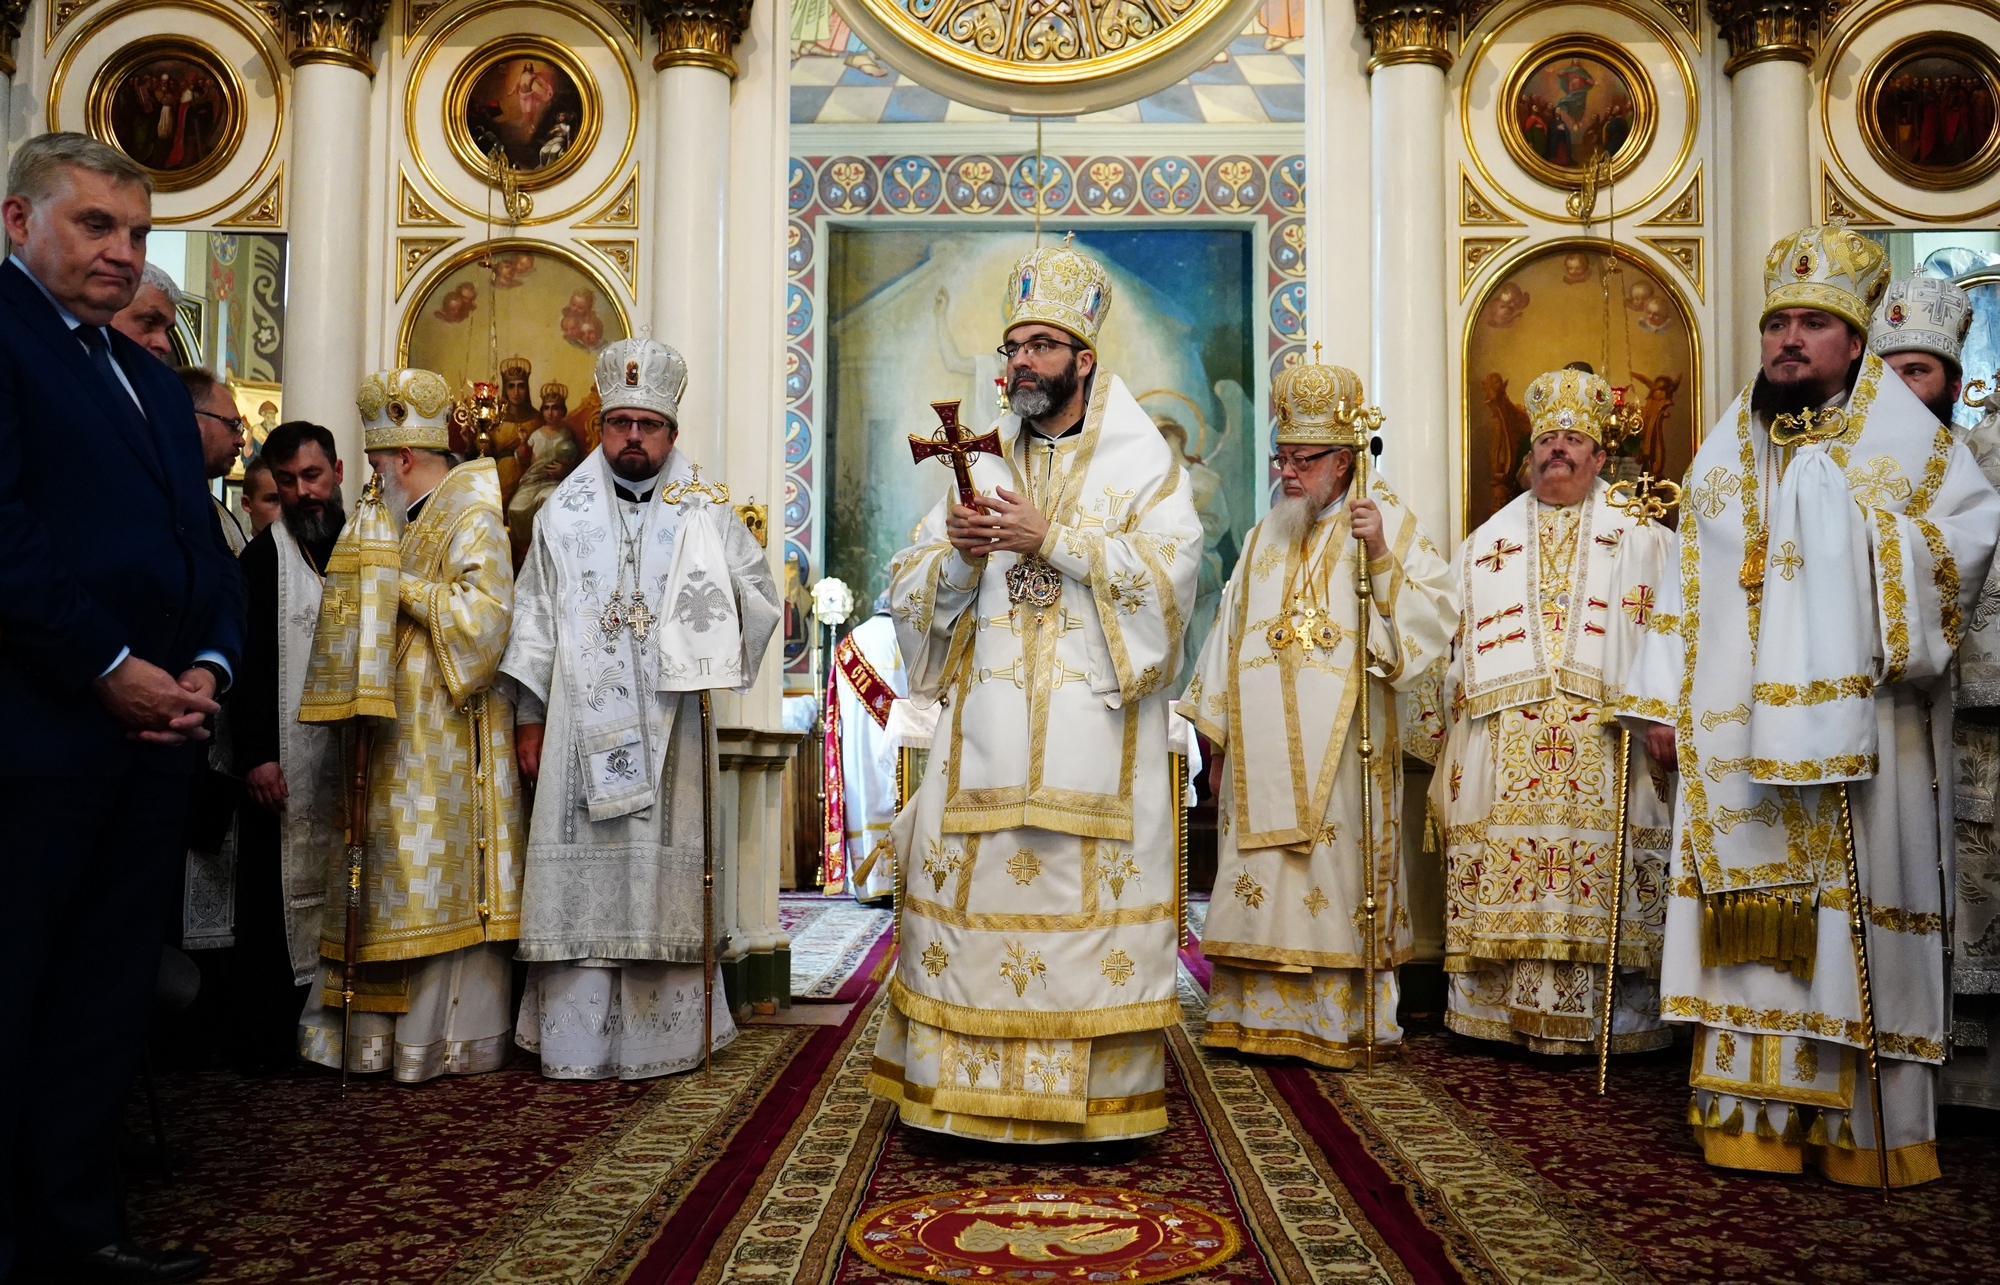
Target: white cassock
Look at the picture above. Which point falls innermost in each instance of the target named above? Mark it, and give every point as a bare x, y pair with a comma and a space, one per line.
1286, 927
611, 902
1553, 602
868, 676
1872, 547
1040, 872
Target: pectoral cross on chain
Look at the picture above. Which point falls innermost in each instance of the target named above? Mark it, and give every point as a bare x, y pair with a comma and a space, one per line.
950, 443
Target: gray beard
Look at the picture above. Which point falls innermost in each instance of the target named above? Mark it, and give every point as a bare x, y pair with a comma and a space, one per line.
1290, 519
396, 500
1031, 403
317, 528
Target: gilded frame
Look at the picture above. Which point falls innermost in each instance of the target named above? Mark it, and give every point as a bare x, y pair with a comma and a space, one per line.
1590, 245
458, 93
1874, 84
112, 74
1645, 106
452, 263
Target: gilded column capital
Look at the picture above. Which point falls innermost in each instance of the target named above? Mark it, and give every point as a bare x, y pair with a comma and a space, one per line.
335, 31
1409, 30
697, 33
12, 14
1770, 30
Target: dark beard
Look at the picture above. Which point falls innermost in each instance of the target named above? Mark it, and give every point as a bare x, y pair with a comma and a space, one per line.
315, 529
1768, 400
1942, 408
1033, 401
638, 472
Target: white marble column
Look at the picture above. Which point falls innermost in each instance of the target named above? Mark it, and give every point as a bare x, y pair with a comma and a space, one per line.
1770, 114
690, 243
13, 15
1338, 187
326, 202
1408, 281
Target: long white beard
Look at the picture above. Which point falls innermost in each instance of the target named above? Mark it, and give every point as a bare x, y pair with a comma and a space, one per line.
395, 499
1290, 519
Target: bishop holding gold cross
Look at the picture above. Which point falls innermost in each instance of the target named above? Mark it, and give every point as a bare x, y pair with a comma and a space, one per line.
1039, 887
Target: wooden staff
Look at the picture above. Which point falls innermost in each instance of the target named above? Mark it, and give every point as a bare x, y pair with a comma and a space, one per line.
1364, 590
1857, 926
1617, 912
707, 890
357, 847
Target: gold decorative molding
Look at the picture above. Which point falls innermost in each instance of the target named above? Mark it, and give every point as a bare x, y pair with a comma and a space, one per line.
1769, 30
1684, 211
1409, 30
413, 252
622, 255
416, 14
12, 14
697, 33
266, 210
1836, 204
623, 212
341, 32
412, 210
58, 14
626, 13
1474, 210
1685, 253
1475, 252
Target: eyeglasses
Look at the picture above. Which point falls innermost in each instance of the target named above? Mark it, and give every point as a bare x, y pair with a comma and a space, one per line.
1035, 348
234, 423
626, 424
1298, 463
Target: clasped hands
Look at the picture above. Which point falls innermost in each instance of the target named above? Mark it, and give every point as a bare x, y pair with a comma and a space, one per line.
1003, 522
154, 706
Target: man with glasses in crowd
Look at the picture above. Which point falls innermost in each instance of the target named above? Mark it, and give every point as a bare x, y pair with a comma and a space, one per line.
1037, 968
1277, 692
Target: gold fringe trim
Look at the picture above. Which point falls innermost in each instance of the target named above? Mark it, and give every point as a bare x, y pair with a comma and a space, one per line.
1230, 952
1527, 691
1778, 927
1631, 953
1694, 1110
1748, 1151
1733, 1125
1816, 1136
1136, 1123
1030, 1024
1089, 822
1765, 1129
1793, 1135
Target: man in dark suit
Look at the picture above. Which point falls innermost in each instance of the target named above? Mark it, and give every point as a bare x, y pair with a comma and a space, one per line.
119, 625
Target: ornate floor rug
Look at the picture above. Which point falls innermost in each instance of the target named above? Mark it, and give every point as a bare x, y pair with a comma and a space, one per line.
504, 1177
1530, 1177
1233, 1147
832, 939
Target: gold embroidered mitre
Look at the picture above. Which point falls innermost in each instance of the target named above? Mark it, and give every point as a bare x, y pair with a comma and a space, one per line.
1060, 287
1829, 267
1317, 406
405, 408
1570, 401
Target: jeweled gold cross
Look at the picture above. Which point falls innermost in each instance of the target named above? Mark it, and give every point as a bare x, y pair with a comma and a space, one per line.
950, 443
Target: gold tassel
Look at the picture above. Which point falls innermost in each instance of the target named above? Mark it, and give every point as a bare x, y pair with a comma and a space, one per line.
1733, 1126
1711, 935
1765, 1130
1694, 1111
1816, 1136
1712, 1119
1793, 1135
1846, 1139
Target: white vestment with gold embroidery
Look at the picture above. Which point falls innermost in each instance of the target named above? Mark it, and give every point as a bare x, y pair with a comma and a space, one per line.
1286, 929
1758, 951
1037, 859
1553, 604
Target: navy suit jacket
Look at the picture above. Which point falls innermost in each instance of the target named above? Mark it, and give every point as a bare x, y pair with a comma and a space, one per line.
108, 539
